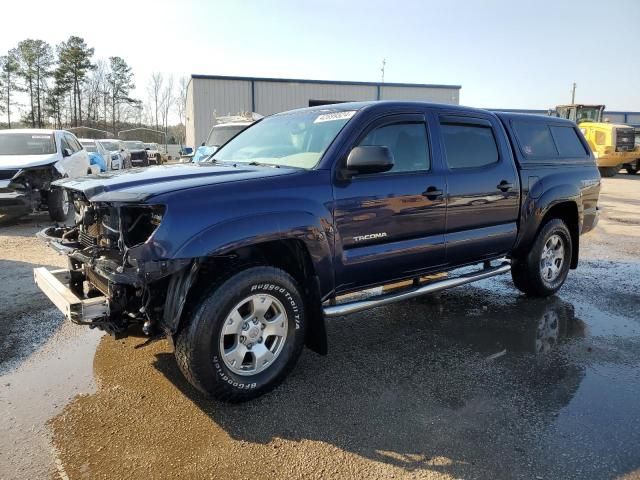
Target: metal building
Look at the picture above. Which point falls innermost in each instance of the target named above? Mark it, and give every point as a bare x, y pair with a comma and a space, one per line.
209, 96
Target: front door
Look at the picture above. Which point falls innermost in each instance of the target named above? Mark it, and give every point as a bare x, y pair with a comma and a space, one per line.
483, 189
391, 225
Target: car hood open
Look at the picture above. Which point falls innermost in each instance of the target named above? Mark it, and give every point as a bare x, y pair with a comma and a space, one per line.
139, 184
26, 161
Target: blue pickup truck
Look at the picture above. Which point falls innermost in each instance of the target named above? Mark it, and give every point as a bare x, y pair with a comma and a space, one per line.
239, 260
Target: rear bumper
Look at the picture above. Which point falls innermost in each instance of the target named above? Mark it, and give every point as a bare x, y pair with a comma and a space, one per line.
54, 284
590, 220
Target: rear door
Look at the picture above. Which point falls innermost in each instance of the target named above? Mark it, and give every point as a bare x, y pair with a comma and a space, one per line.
391, 225
483, 188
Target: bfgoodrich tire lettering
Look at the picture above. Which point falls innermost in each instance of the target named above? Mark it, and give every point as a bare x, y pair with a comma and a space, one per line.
529, 273
200, 353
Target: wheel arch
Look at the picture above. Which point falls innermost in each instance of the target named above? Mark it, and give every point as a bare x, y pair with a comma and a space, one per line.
561, 201
290, 254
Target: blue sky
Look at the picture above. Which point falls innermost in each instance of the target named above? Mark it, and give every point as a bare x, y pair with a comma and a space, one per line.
504, 53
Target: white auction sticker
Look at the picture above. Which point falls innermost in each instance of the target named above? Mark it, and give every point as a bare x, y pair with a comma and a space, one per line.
330, 117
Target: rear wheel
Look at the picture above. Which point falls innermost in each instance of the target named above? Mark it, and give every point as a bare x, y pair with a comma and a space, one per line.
544, 269
633, 168
609, 171
60, 207
244, 336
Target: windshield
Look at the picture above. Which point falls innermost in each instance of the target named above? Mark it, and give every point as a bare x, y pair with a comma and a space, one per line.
111, 146
89, 146
296, 139
27, 144
135, 145
589, 114
222, 134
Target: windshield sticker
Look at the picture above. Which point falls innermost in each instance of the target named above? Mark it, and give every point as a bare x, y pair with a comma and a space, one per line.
40, 137
330, 117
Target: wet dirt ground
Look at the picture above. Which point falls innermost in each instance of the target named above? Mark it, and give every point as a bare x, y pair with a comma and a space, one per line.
479, 382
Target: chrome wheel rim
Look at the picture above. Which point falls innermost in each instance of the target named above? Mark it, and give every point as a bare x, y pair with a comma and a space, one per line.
552, 258
65, 202
253, 334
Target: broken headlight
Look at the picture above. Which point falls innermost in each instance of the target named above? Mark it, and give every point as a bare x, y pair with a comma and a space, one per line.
139, 222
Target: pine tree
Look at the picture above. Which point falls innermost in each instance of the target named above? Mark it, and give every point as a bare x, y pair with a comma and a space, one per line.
120, 81
35, 58
9, 70
74, 62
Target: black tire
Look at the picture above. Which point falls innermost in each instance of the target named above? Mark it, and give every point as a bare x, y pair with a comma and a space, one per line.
633, 168
198, 348
59, 206
526, 271
609, 171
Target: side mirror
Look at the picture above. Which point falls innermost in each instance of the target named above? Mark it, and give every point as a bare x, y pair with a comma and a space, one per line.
66, 152
369, 159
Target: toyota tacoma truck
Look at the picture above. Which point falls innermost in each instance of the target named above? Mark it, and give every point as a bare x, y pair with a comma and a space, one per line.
240, 259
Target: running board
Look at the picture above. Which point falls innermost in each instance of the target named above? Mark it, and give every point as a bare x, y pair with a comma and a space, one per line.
437, 286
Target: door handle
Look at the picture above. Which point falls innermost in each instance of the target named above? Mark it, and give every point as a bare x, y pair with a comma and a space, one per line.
505, 186
432, 193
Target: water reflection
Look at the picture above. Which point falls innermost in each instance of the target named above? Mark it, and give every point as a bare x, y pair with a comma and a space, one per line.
488, 325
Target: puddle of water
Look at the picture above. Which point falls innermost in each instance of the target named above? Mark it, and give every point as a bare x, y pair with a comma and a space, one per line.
35, 391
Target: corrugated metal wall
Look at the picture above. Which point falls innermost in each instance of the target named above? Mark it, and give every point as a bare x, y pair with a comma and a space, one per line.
438, 95
207, 97
274, 97
217, 98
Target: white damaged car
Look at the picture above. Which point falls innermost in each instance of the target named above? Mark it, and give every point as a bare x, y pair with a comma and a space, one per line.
30, 160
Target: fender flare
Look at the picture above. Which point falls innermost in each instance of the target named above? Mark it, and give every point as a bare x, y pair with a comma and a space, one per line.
534, 210
228, 236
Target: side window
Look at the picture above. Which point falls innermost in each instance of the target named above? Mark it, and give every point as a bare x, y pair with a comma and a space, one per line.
64, 143
469, 146
535, 139
73, 143
77, 143
408, 143
567, 141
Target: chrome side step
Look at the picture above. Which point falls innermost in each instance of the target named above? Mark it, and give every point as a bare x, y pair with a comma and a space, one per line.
437, 286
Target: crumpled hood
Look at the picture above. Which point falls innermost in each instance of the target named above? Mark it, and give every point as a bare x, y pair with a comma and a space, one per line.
8, 162
139, 184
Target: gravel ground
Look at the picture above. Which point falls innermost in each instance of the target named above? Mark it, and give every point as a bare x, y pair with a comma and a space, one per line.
479, 382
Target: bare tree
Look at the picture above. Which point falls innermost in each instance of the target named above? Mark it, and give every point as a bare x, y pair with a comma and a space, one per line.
155, 93
181, 105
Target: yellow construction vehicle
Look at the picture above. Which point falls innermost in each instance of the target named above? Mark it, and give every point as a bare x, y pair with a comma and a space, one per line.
612, 144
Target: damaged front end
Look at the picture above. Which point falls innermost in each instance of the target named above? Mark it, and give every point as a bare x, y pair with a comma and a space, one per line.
25, 190
113, 258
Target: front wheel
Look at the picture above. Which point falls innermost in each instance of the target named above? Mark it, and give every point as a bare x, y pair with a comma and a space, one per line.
60, 207
544, 269
633, 168
244, 336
